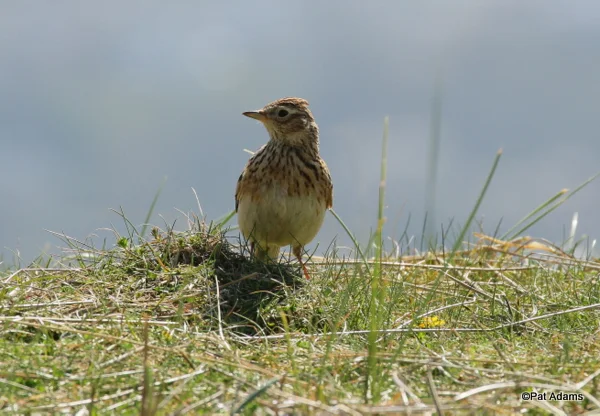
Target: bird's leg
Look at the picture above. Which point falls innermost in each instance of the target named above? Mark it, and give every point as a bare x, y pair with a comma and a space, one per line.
298, 253
269, 253
259, 252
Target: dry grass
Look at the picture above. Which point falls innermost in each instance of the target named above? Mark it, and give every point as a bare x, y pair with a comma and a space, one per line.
186, 323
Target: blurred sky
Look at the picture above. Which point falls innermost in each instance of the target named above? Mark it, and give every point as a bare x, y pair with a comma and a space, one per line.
99, 101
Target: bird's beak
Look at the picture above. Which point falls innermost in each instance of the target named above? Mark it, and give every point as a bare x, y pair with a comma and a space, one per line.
258, 115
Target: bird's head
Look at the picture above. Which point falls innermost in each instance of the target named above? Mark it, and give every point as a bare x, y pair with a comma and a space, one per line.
288, 120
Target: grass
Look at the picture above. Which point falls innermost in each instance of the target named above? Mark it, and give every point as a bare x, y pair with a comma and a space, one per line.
187, 323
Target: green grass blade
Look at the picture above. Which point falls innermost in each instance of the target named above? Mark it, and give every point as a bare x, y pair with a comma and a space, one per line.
354, 240
250, 398
465, 228
378, 295
564, 193
151, 210
548, 202
224, 220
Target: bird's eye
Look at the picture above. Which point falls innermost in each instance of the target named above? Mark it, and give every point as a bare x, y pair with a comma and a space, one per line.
282, 113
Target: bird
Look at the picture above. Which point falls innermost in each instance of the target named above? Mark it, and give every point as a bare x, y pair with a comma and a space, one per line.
285, 189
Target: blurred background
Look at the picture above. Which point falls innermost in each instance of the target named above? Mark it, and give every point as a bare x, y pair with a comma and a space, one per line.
100, 101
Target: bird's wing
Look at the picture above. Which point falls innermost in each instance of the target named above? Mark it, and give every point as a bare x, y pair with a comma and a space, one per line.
240, 182
237, 190
330, 195
329, 186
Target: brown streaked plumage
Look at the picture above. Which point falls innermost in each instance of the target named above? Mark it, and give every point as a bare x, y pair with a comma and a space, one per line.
285, 189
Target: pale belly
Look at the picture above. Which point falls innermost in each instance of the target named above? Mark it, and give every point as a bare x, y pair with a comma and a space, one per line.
280, 219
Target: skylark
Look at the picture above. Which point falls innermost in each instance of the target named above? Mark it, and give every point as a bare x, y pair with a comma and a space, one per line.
285, 189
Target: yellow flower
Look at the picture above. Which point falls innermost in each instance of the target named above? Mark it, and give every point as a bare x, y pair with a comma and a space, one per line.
431, 322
